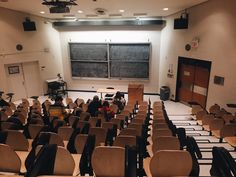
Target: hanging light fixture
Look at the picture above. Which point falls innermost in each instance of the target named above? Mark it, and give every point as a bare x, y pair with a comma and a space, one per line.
59, 6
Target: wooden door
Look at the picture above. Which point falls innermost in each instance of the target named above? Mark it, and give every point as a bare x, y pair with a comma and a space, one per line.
201, 82
193, 80
186, 81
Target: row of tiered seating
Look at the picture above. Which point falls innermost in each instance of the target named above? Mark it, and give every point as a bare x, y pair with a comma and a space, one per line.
88, 132
170, 147
218, 122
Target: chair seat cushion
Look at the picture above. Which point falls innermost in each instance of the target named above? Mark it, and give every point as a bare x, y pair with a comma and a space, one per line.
231, 140
216, 133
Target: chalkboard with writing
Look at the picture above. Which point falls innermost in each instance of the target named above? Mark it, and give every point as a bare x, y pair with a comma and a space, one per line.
87, 51
129, 52
129, 70
85, 69
110, 60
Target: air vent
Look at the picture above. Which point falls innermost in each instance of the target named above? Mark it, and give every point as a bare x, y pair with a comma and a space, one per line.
100, 11
115, 15
140, 14
91, 15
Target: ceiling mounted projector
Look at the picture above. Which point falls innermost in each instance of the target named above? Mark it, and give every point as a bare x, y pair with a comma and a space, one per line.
59, 6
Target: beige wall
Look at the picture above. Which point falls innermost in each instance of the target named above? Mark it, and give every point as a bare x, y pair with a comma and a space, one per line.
214, 23
112, 34
34, 44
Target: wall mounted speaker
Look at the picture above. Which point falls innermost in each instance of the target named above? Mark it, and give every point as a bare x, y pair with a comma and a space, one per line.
29, 25
181, 23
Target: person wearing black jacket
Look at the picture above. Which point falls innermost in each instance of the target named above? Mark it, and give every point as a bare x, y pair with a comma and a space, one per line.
94, 105
2, 101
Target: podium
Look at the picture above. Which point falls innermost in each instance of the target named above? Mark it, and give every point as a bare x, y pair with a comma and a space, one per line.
135, 92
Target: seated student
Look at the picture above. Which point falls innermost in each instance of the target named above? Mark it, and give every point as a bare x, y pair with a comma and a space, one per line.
108, 113
58, 103
2, 101
94, 105
119, 100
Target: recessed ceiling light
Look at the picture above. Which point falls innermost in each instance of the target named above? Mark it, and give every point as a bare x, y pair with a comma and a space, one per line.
80, 11
166, 8
121, 10
42, 12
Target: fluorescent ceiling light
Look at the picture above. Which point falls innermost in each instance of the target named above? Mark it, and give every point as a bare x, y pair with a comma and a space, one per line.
166, 8
121, 10
80, 11
42, 12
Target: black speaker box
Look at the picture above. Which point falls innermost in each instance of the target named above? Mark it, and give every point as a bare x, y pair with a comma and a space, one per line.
29, 26
181, 23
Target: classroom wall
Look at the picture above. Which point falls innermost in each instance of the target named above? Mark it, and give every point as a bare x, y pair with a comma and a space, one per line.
214, 24
42, 45
112, 34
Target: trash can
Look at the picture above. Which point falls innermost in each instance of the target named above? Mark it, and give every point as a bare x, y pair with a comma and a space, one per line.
164, 93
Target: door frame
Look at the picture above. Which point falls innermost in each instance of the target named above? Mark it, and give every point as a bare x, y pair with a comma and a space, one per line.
194, 62
22, 69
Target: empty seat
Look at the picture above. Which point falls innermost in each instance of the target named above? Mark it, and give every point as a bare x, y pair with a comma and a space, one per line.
228, 117
64, 162
161, 132
9, 162
73, 119
231, 140
113, 159
206, 121
68, 101
84, 116
50, 138
15, 139
129, 131
34, 130
80, 142
199, 116
100, 134
168, 163
118, 122
196, 108
124, 140
225, 131
160, 126
165, 143
52, 160
214, 109
72, 105
216, 124
65, 132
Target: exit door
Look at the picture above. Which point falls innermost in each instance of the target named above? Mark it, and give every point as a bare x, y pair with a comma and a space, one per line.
193, 80
23, 79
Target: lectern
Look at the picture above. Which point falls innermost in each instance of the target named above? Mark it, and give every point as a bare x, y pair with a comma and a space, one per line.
135, 92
